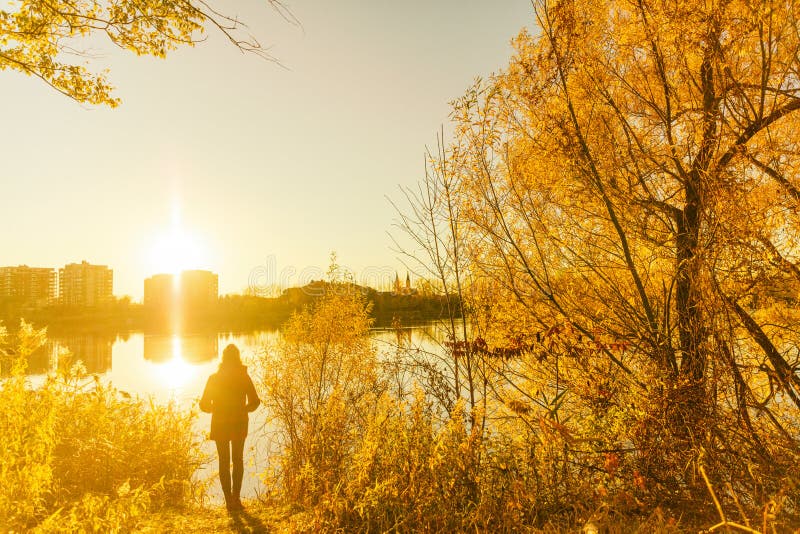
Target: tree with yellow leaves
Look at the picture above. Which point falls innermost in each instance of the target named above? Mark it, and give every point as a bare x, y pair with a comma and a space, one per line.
629, 186
42, 38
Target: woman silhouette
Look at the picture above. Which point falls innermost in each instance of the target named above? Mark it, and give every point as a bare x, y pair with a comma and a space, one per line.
229, 396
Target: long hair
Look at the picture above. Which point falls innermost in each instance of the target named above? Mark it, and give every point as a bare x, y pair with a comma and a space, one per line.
231, 358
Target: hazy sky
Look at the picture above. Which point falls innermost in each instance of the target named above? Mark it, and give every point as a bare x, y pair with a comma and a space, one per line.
260, 169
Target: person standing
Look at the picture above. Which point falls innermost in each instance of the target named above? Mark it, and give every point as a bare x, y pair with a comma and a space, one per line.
230, 396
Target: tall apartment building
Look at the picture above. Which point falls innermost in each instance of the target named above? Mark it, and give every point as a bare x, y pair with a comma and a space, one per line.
159, 290
28, 286
83, 284
187, 289
199, 288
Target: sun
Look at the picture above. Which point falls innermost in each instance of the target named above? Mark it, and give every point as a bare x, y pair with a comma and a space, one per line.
177, 250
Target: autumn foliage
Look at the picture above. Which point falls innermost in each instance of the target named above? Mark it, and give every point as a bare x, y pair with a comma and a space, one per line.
618, 209
79, 456
616, 219
617, 214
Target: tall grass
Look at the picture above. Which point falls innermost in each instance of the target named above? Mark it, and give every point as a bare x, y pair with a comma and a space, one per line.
80, 456
356, 456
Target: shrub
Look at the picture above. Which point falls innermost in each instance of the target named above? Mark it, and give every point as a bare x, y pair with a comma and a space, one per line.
77, 455
319, 382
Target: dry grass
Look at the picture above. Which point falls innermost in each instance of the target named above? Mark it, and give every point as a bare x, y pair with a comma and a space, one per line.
254, 518
263, 518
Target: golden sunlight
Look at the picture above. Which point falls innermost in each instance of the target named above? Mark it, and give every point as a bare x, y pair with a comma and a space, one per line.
176, 372
177, 250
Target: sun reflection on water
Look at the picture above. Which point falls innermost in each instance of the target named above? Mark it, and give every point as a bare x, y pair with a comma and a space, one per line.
176, 372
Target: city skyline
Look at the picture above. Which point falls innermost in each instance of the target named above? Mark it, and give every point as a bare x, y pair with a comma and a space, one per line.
250, 166
74, 284
379, 279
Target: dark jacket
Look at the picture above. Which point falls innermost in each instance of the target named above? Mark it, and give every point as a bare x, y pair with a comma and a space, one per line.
229, 396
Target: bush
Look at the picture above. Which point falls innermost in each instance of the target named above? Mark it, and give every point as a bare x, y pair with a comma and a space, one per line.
319, 383
80, 456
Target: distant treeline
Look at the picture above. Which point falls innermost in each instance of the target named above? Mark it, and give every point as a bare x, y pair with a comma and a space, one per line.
229, 312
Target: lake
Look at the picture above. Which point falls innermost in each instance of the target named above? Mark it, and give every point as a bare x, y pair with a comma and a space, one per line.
176, 367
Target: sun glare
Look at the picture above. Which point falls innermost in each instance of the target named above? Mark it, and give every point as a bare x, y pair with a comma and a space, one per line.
176, 251
176, 372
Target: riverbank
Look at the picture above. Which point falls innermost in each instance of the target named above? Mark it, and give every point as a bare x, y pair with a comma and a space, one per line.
199, 520
259, 518
234, 313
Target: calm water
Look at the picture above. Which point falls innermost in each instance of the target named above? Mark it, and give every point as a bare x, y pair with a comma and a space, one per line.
175, 368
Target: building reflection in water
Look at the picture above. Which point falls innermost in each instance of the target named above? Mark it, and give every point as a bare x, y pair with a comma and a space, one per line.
40, 361
93, 350
176, 358
196, 348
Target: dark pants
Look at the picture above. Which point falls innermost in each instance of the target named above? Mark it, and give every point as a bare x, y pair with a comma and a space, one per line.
227, 451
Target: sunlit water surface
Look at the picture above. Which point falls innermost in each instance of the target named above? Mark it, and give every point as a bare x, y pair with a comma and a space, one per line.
174, 368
